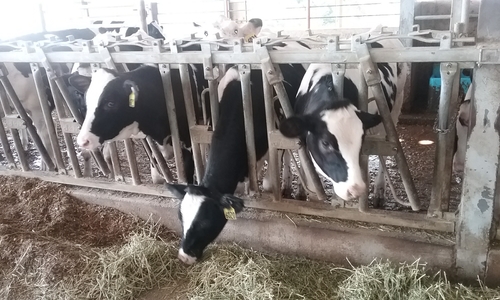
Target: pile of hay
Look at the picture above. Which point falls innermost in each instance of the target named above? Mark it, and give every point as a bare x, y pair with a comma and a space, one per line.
231, 272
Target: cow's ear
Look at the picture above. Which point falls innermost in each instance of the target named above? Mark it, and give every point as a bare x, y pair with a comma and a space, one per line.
196, 25
296, 126
179, 190
79, 82
369, 120
132, 90
231, 201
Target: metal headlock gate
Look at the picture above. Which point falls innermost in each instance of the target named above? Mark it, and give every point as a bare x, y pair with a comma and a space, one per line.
475, 219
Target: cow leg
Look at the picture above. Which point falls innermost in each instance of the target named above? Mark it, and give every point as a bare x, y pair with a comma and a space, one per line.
87, 166
379, 188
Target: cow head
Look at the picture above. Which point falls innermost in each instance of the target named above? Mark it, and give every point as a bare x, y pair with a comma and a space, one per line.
111, 103
333, 130
203, 214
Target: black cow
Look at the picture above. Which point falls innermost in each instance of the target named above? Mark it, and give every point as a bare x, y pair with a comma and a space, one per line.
202, 207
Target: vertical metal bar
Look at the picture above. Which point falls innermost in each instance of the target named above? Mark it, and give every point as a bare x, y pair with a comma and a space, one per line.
116, 162
19, 148
3, 134
166, 78
475, 219
308, 14
67, 99
188, 98
246, 91
6, 146
226, 9
406, 21
338, 72
154, 11
211, 77
44, 104
160, 160
61, 113
42, 17
456, 13
143, 16
134, 171
363, 161
372, 77
273, 166
29, 123
464, 16
448, 101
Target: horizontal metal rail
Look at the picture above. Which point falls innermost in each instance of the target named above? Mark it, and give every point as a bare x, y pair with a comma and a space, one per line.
411, 220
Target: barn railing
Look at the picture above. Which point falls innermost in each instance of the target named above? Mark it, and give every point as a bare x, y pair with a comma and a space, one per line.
341, 54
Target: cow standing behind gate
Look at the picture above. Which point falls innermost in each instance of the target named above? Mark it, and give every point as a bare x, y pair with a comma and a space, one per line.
333, 128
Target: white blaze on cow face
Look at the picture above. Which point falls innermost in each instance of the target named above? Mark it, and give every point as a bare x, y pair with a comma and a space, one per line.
190, 206
347, 128
100, 79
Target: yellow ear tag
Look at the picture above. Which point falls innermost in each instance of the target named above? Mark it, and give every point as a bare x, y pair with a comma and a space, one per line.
249, 38
229, 213
131, 99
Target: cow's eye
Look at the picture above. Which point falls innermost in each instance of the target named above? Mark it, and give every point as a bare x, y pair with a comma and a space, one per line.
326, 145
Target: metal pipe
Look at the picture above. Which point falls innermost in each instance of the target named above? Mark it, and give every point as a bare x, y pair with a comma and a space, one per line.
464, 16
308, 14
166, 77
49, 122
188, 98
63, 89
116, 162
273, 166
134, 171
20, 151
101, 163
448, 102
214, 102
338, 71
440, 17
3, 134
372, 77
363, 160
162, 164
204, 106
29, 123
61, 113
154, 11
143, 16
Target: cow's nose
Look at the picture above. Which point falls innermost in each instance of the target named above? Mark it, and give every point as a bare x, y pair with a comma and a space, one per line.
85, 143
188, 260
356, 191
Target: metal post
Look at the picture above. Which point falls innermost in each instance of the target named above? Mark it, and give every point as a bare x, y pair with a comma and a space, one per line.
246, 91
115, 161
458, 9
143, 15
6, 147
448, 102
49, 122
134, 171
475, 219
273, 164
188, 98
338, 72
212, 77
166, 78
61, 113
406, 21
363, 161
372, 77
464, 17
42, 17
308, 14
28, 122
160, 160
154, 11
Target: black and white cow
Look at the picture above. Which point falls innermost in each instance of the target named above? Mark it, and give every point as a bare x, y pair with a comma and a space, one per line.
202, 207
333, 129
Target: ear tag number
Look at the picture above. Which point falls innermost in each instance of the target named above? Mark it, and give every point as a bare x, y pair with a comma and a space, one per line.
229, 213
131, 99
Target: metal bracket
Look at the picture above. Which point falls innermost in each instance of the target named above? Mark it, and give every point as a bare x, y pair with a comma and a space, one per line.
69, 125
14, 121
333, 43
338, 72
209, 71
106, 56
446, 40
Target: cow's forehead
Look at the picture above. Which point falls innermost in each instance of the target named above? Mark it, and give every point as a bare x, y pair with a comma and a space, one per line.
100, 79
345, 125
190, 205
